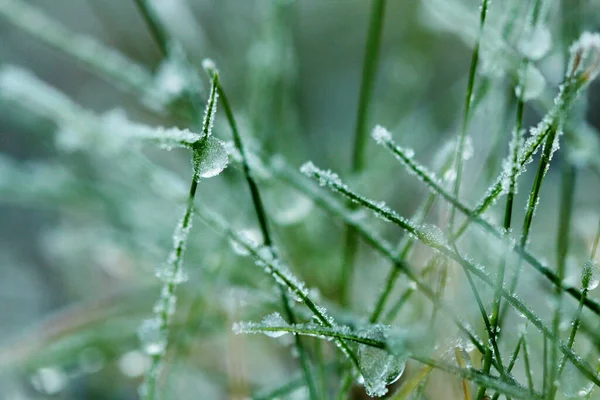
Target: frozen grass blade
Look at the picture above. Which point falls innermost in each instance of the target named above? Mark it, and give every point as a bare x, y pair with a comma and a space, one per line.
588, 281
154, 332
583, 68
468, 374
288, 175
437, 242
280, 273
405, 156
261, 215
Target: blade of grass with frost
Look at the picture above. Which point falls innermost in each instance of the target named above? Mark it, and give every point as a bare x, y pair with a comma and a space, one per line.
261, 215
584, 65
437, 242
110, 131
589, 281
370, 61
154, 332
378, 244
287, 174
562, 246
511, 171
346, 334
405, 156
96, 57
460, 147
585, 51
403, 249
280, 273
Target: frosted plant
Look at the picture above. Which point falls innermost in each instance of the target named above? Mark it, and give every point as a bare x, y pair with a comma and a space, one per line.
207, 162
109, 189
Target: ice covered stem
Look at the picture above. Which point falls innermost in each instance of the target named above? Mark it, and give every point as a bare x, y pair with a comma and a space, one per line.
154, 331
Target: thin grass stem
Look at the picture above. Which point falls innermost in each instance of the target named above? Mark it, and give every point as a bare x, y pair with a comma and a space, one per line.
367, 83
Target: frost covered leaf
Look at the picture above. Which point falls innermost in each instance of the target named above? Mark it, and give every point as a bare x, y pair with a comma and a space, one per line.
210, 157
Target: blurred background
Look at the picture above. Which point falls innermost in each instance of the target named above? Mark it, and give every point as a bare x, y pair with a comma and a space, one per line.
83, 225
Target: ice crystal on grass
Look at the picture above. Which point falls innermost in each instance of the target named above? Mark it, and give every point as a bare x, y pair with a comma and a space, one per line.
210, 157
268, 326
325, 177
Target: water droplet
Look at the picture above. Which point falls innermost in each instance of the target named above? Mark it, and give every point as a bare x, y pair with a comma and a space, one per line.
274, 320
432, 235
210, 157
379, 367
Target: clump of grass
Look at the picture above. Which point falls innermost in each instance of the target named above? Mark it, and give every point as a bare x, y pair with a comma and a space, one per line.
396, 342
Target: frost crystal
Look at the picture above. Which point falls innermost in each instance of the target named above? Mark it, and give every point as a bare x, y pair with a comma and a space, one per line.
381, 135
326, 178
